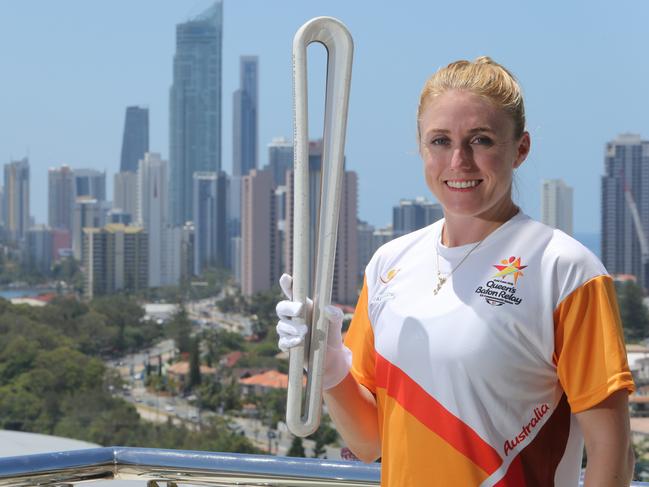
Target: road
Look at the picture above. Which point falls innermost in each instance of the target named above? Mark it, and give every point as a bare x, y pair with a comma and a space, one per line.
208, 316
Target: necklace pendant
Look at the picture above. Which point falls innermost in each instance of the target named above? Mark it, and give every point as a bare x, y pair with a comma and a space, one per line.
440, 282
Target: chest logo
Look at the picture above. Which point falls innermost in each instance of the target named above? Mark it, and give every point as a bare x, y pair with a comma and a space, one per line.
510, 267
388, 276
501, 287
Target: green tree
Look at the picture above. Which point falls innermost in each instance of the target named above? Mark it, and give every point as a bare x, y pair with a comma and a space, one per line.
47, 385
297, 448
126, 315
194, 363
634, 314
221, 342
179, 329
262, 307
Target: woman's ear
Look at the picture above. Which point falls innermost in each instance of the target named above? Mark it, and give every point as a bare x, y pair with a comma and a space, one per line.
523, 149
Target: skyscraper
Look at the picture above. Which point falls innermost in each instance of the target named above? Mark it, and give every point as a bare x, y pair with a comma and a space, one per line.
259, 235
365, 246
88, 213
16, 199
280, 159
61, 194
556, 204
210, 197
412, 215
152, 206
90, 183
135, 141
125, 192
195, 107
244, 115
39, 248
345, 284
625, 191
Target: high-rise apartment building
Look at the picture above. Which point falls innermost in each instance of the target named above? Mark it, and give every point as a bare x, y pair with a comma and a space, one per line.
40, 248
152, 207
210, 212
88, 213
369, 241
125, 192
280, 159
115, 259
135, 141
90, 183
245, 123
259, 236
365, 245
345, 284
195, 107
625, 191
233, 261
61, 243
16, 199
412, 215
556, 204
179, 253
61, 191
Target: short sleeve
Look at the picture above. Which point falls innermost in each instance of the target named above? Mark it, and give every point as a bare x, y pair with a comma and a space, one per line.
589, 347
360, 340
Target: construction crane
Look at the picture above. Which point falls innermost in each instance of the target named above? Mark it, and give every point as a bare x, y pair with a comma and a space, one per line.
642, 236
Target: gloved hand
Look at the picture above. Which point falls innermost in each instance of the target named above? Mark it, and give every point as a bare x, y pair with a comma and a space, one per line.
338, 357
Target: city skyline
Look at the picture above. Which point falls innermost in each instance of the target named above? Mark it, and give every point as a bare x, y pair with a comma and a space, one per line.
575, 103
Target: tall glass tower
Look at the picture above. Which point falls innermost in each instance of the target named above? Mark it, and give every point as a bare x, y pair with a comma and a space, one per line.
195, 107
16, 199
245, 123
135, 142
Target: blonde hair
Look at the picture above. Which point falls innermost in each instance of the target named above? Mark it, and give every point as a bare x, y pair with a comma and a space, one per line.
484, 77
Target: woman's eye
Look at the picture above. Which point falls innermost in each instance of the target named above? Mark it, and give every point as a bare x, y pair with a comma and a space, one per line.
482, 140
439, 141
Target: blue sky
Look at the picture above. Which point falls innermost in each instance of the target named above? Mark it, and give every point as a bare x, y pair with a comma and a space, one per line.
70, 68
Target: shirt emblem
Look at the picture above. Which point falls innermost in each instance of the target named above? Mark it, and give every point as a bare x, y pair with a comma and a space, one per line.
389, 275
510, 267
499, 289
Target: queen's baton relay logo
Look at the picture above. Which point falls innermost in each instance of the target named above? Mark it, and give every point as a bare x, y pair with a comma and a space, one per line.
501, 288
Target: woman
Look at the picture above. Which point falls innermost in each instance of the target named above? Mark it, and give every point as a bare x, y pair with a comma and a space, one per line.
486, 348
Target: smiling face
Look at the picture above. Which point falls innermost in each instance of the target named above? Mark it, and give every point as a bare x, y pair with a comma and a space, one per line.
470, 152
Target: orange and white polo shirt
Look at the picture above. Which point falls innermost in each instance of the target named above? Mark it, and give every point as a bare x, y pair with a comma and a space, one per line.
478, 385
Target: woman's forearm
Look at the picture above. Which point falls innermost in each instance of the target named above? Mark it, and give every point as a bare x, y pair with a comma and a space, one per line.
353, 409
609, 469
607, 437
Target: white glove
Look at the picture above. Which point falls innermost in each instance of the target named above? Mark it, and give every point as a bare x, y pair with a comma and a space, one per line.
338, 357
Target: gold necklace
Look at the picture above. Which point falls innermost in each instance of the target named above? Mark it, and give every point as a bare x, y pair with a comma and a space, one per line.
441, 280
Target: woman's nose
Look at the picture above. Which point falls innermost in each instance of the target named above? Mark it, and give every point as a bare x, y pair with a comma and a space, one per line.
461, 157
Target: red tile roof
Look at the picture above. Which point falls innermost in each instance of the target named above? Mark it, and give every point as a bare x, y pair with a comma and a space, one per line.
271, 379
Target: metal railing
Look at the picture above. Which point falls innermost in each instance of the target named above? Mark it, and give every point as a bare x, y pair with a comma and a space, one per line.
191, 467
64, 469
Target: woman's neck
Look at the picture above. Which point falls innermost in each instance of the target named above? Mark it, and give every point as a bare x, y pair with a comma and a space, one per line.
462, 230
